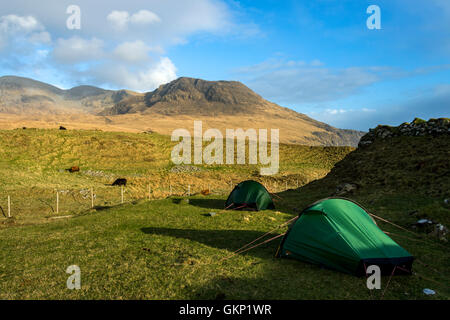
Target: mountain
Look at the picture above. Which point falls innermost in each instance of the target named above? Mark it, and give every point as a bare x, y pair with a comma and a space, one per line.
188, 96
26, 96
219, 104
199, 97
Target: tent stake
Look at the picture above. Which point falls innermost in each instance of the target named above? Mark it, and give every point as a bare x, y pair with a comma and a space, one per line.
57, 201
9, 207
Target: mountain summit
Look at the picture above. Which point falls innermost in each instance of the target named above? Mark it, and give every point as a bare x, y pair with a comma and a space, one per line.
197, 97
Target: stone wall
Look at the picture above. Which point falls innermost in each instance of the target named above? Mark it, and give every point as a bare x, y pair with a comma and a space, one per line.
418, 127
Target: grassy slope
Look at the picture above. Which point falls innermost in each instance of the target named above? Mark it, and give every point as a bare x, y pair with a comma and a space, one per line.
32, 164
163, 250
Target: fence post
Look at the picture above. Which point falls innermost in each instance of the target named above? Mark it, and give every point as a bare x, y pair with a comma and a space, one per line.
189, 190
170, 189
9, 207
57, 201
286, 185
297, 183
149, 191
92, 197
121, 193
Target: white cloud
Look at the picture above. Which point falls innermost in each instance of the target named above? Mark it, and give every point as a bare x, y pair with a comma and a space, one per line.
40, 37
13, 23
126, 40
316, 63
132, 52
299, 82
163, 72
294, 83
145, 17
76, 49
119, 19
147, 79
429, 103
28, 28
335, 111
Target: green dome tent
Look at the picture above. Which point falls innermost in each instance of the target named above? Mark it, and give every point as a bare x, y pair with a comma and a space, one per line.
249, 195
339, 234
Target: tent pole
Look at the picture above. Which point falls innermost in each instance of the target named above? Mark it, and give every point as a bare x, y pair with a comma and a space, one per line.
387, 285
256, 245
267, 233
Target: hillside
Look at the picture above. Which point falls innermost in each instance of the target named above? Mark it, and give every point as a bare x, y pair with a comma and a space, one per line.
402, 173
413, 157
219, 104
173, 248
33, 163
23, 96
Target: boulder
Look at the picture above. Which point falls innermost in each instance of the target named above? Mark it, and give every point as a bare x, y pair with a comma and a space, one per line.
345, 188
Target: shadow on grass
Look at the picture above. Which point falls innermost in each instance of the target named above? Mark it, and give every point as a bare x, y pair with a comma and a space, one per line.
101, 208
222, 239
217, 204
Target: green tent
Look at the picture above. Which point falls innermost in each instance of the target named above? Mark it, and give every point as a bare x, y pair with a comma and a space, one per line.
249, 195
339, 234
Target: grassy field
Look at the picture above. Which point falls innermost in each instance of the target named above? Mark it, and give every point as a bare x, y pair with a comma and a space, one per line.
169, 249
33, 163
162, 249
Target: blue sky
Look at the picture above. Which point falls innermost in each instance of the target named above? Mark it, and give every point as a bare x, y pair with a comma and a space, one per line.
316, 57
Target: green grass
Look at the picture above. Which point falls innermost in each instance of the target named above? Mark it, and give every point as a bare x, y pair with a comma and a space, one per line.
163, 250
33, 163
167, 249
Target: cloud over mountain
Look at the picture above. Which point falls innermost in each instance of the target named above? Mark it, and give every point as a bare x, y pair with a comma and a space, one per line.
118, 45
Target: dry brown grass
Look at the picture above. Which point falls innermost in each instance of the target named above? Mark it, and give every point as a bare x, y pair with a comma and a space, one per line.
292, 131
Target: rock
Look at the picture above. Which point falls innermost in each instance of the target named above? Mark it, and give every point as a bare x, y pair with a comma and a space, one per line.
345, 188
365, 143
428, 292
185, 168
440, 232
418, 127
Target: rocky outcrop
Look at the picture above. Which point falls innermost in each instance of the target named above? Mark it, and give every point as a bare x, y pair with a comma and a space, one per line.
418, 127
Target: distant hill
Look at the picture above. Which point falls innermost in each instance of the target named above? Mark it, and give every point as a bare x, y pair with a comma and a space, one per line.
26, 96
219, 104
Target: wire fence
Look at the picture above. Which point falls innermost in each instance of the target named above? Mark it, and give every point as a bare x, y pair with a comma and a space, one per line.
41, 201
